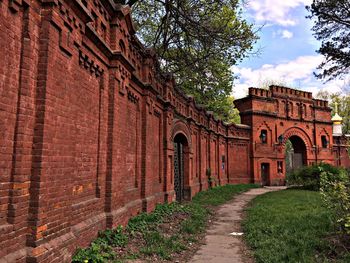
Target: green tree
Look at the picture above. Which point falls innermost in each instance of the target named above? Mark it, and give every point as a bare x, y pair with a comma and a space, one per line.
224, 110
343, 100
198, 41
332, 28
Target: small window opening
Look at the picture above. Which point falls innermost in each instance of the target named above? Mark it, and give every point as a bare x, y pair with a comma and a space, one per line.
263, 136
324, 141
280, 166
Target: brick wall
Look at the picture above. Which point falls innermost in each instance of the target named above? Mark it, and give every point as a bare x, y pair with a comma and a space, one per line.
87, 125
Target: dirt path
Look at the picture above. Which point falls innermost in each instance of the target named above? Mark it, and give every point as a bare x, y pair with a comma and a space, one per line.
222, 241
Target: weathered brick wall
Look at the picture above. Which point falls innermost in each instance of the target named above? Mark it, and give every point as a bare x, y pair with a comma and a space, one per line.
19, 34
88, 123
87, 128
341, 150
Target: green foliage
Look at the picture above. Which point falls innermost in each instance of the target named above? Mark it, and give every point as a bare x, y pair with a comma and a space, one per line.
343, 100
289, 226
100, 249
223, 109
288, 151
197, 41
97, 252
146, 227
308, 177
219, 195
144, 221
113, 237
229, 114
158, 244
335, 190
197, 221
332, 28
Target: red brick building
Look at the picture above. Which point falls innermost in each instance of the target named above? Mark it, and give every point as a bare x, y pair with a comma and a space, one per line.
281, 114
92, 133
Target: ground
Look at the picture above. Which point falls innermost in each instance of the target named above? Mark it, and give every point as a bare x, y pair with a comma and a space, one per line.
221, 243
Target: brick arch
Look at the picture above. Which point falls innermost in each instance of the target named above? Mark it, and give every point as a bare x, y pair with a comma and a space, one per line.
295, 131
181, 127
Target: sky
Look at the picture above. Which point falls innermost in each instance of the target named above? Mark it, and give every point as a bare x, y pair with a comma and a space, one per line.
287, 49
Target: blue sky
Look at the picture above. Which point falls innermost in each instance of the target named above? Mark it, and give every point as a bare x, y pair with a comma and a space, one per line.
287, 49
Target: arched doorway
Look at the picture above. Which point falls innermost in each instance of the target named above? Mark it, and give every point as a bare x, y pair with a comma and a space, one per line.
295, 150
181, 151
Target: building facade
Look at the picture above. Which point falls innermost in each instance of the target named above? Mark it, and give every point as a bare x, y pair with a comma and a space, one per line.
92, 133
279, 115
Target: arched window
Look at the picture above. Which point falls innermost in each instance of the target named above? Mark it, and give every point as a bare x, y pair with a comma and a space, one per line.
324, 141
263, 136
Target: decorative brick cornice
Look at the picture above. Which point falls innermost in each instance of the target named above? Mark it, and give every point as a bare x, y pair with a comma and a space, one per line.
89, 64
15, 5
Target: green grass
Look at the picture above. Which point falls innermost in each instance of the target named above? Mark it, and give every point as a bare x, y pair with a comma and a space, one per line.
220, 195
199, 208
147, 228
289, 226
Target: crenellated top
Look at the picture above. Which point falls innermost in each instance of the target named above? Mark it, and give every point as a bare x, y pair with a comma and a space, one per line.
259, 92
288, 92
283, 103
320, 103
280, 91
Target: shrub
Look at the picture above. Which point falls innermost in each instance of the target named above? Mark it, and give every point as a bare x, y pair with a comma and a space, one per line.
308, 177
113, 237
335, 190
96, 253
101, 250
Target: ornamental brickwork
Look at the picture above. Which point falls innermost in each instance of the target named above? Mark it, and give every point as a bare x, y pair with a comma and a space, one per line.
283, 114
88, 125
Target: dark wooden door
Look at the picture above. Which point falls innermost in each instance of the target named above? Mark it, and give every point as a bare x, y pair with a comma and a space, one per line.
179, 171
265, 174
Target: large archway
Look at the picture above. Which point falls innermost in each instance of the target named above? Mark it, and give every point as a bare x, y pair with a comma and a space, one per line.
280, 114
181, 169
295, 153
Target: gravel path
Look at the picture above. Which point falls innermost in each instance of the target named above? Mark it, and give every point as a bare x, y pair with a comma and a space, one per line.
223, 243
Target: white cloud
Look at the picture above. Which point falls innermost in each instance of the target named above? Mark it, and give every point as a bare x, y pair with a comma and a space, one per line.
286, 34
276, 11
282, 34
296, 73
300, 68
